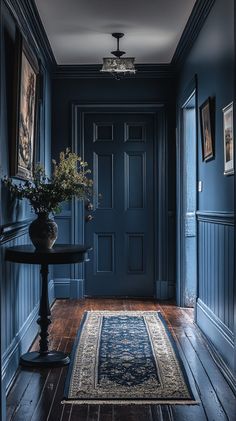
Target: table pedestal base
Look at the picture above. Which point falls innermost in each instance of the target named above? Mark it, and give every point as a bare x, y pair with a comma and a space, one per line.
51, 359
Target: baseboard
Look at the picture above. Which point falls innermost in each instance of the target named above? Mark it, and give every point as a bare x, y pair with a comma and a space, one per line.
164, 290
22, 342
229, 375
68, 288
219, 334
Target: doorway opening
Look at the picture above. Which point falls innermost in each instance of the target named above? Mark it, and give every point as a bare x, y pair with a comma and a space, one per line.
188, 205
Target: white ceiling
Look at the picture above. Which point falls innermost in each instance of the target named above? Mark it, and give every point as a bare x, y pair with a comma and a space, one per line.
79, 31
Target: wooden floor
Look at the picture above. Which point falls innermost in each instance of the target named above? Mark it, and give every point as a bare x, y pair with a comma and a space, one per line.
36, 394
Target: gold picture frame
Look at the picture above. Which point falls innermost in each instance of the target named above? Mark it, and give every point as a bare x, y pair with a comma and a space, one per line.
25, 110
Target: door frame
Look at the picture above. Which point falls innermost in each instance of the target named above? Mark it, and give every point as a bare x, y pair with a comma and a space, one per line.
160, 247
180, 192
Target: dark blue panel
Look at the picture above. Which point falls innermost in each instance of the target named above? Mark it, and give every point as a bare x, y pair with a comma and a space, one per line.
104, 249
216, 244
135, 180
135, 253
103, 168
102, 132
135, 132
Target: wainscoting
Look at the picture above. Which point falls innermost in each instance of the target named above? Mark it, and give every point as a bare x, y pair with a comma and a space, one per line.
20, 292
215, 310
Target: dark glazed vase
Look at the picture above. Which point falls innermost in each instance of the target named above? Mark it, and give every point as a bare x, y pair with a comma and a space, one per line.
43, 232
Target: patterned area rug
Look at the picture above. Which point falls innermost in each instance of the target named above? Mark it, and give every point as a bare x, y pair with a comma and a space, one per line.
126, 357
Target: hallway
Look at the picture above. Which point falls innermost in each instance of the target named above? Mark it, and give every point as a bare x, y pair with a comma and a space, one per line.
159, 222
36, 394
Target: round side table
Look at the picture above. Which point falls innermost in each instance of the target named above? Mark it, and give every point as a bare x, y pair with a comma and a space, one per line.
59, 254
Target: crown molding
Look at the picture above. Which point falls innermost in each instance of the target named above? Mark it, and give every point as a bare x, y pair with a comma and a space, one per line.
91, 71
193, 27
27, 18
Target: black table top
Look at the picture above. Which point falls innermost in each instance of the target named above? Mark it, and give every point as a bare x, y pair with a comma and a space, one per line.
59, 254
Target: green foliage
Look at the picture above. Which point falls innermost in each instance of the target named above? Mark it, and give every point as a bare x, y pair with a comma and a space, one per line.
69, 179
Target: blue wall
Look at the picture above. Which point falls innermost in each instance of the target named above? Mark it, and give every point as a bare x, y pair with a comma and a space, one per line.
134, 90
20, 287
212, 60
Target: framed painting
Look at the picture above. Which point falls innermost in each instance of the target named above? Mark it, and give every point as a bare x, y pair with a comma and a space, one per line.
207, 129
228, 130
25, 117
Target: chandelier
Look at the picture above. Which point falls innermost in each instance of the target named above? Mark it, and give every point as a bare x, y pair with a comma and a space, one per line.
118, 65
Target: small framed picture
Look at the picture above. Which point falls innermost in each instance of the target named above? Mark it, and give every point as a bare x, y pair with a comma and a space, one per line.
25, 112
207, 129
228, 139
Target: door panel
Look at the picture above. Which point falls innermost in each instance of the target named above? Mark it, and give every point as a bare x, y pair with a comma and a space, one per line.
119, 149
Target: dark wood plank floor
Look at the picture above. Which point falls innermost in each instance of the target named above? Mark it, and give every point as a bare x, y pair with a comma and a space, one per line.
36, 394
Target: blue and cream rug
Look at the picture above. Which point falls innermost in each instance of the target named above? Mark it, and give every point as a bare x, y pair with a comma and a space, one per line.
123, 357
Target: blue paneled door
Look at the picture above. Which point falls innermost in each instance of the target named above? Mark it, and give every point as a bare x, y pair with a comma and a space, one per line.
119, 148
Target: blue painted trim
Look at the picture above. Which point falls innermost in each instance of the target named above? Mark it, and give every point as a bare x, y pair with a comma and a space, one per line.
220, 217
61, 287
217, 332
11, 231
68, 288
193, 27
164, 290
27, 17
92, 71
191, 89
76, 288
161, 222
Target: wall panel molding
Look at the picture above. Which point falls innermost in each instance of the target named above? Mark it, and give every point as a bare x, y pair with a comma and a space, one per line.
68, 288
215, 253
10, 231
220, 217
92, 71
162, 205
215, 313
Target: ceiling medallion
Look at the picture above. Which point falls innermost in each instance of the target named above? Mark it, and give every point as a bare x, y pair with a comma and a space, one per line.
118, 65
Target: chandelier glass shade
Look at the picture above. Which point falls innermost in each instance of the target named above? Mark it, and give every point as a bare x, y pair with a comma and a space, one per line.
118, 65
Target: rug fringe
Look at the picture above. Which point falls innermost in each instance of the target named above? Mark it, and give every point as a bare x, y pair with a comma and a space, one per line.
141, 402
